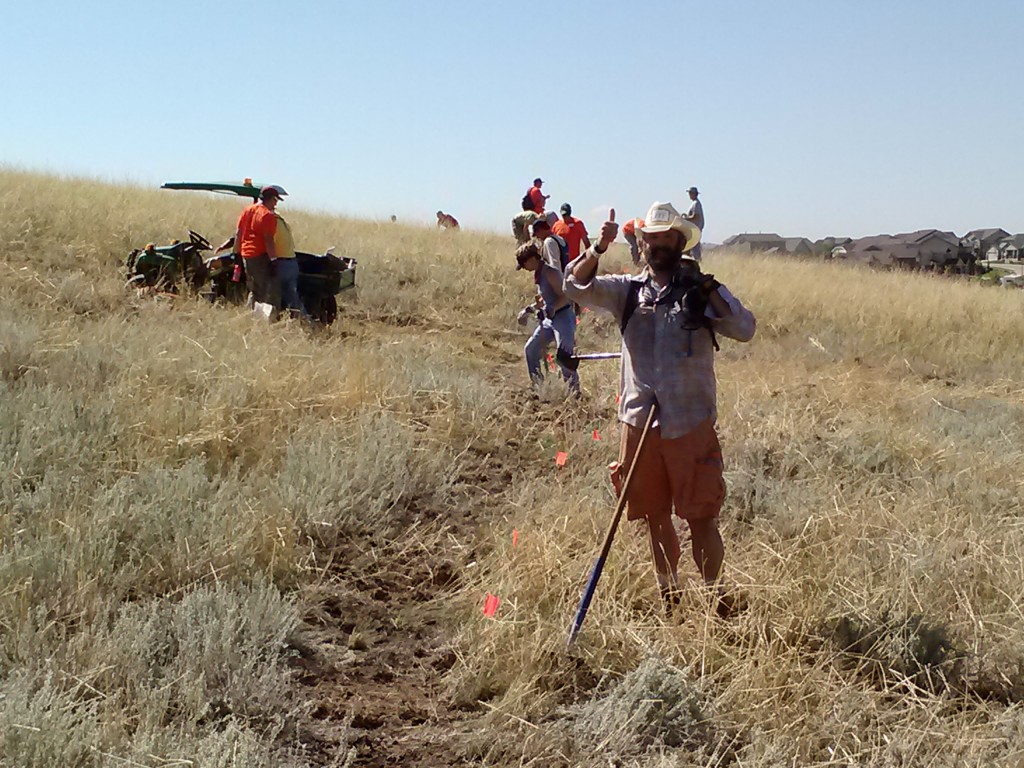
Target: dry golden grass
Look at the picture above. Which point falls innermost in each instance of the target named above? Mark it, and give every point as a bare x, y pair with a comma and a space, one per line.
179, 483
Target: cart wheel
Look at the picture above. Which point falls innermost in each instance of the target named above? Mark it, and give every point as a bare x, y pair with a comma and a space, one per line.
328, 310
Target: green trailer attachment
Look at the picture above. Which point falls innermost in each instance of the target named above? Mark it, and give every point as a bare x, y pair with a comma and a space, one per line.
242, 190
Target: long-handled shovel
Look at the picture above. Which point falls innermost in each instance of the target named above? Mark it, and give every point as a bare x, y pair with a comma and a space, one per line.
595, 573
572, 362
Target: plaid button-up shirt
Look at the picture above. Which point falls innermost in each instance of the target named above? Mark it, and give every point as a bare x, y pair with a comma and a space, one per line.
662, 361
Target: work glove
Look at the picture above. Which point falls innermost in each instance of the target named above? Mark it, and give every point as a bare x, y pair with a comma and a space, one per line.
707, 283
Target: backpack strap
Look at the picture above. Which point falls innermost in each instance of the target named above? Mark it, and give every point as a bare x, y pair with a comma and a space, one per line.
563, 250
632, 302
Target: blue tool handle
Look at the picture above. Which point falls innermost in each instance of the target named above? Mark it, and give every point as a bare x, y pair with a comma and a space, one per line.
595, 574
588, 595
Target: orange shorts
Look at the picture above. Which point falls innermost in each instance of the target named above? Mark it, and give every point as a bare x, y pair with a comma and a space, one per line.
684, 472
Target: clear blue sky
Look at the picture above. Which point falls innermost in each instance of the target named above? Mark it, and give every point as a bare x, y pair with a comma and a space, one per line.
810, 118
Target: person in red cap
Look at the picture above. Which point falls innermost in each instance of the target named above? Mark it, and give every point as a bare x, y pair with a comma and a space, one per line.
537, 197
254, 241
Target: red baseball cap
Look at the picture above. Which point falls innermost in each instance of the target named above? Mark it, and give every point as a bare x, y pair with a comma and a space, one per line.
272, 190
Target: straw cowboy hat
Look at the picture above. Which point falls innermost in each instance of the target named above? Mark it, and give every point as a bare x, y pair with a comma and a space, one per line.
663, 216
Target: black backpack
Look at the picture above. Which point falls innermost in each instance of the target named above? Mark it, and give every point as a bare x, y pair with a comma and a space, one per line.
527, 201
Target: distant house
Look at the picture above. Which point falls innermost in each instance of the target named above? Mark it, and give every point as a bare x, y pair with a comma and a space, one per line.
769, 242
979, 241
799, 246
933, 246
1008, 249
923, 249
755, 242
880, 251
829, 247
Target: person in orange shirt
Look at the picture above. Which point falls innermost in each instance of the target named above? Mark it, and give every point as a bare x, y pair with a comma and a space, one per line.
629, 232
254, 241
537, 197
572, 230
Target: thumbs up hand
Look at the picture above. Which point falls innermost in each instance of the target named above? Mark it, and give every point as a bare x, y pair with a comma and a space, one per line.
609, 230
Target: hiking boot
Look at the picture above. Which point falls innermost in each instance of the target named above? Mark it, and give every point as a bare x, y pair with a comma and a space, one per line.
729, 604
671, 598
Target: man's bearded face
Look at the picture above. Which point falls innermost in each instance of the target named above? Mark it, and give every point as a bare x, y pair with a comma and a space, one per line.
664, 250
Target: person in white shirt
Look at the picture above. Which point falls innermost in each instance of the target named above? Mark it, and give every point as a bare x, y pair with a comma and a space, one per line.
695, 215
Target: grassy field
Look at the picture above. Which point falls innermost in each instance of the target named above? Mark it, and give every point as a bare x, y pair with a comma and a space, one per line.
232, 544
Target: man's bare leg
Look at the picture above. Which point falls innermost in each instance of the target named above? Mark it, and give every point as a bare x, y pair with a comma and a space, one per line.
708, 550
708, 553
665, 550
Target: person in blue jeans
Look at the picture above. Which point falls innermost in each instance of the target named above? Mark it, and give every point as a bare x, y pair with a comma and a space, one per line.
557, 321
286, 270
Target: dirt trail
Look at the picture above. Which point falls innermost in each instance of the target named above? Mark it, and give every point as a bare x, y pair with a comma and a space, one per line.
380, 645
382, 652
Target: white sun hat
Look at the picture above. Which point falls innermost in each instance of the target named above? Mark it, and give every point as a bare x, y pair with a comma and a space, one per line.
663, 216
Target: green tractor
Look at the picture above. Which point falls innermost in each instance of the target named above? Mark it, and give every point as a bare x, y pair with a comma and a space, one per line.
321, 276
167, 267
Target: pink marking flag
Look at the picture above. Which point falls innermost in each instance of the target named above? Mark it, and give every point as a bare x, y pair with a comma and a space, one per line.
560, 458
515, 538
597, 435
617, 399
491, 603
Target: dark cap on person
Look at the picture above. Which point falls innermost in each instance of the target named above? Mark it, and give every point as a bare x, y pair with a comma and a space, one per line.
540, 224
524, 253
272, 190
694, 190
566, 208
538, 180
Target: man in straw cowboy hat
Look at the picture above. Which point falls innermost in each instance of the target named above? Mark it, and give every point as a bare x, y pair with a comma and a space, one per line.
670, 316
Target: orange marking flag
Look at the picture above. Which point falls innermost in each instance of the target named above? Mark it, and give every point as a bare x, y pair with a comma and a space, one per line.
491, 603
560, 458
515, 538
597, 435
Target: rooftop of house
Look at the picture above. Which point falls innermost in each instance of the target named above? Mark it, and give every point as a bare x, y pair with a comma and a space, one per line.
921, 235
986, 234
754, 238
